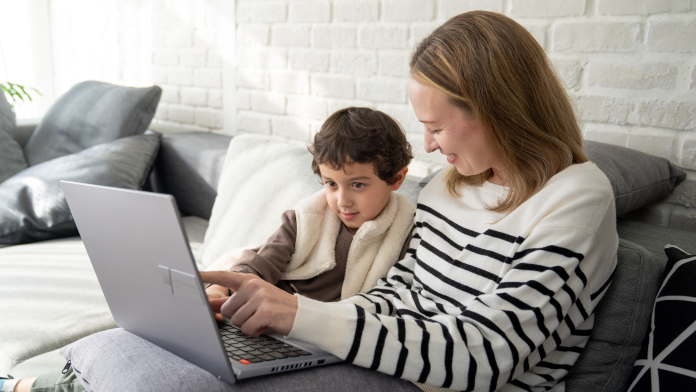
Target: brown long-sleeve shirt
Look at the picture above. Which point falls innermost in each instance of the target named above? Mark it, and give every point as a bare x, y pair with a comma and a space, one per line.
270, 260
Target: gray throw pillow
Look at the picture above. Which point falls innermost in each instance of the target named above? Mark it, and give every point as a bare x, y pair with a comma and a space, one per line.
11, 155
91, 113
637, 179
32, 205
117, 360
622, 320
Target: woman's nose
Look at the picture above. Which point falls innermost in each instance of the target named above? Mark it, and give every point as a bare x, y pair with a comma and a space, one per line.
429, 142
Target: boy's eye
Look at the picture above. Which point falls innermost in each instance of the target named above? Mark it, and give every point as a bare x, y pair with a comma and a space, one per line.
436, 131
359, 185
330, 184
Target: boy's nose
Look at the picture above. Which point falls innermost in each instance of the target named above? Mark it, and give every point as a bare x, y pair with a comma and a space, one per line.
344, 200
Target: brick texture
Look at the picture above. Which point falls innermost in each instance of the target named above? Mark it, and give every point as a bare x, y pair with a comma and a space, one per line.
628, 65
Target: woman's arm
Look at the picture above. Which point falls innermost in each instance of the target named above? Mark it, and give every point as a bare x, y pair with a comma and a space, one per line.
537, 314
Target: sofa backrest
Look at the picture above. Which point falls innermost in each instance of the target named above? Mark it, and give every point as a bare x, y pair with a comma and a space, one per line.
622, 321
189, 167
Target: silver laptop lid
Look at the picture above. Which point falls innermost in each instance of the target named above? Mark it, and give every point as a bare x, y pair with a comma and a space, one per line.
146, 271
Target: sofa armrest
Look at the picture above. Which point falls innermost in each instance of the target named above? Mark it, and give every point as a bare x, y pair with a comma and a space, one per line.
188, 167
24, 129
677, 211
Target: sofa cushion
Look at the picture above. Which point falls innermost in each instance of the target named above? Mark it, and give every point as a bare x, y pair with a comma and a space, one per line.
262, 176
91, 113
32, 205
667, 357
11, 155
622, 319
51, 297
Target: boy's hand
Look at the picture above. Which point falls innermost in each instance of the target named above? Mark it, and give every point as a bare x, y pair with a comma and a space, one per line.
256, 307
215, 305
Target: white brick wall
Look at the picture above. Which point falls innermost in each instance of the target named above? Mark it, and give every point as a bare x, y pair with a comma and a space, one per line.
309, 11
359, 11
546, 9
583, 36
188, 66
628, 65
639, 76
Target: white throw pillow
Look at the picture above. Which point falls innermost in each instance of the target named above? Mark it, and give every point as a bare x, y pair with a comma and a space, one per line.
262, 177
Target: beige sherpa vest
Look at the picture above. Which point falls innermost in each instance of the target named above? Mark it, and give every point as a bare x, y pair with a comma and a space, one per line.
375, 247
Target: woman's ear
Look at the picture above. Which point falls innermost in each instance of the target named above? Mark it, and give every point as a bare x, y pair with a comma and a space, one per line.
400, 177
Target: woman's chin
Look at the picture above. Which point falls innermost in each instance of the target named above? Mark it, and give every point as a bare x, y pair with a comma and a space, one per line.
467, 171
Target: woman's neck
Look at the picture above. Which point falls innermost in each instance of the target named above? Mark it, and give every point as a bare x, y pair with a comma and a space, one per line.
497, 177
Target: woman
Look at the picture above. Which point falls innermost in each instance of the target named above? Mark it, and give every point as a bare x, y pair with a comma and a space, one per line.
514, 244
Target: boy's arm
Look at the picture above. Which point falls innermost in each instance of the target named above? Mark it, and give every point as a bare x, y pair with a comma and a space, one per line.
270, 259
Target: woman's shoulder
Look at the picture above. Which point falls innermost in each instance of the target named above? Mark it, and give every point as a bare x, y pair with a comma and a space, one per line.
585, 178
580, 195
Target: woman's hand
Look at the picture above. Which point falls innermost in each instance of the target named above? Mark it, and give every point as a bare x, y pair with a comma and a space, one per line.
256, 307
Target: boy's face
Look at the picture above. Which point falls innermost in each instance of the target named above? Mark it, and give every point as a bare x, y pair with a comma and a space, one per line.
355, 193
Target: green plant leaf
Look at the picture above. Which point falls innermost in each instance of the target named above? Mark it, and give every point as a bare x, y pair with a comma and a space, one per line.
17, 92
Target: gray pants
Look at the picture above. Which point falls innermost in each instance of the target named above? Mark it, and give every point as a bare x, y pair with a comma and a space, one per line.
335, 378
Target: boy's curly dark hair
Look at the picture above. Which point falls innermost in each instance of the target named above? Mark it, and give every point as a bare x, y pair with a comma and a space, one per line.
362, 135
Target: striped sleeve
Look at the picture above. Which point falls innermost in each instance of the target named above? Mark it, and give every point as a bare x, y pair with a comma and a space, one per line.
534, 311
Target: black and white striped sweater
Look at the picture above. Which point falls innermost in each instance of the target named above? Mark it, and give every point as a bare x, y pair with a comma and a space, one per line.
483, 301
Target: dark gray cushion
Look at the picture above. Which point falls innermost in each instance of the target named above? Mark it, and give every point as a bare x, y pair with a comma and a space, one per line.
91, 113
622, 320
11, 155
638, 179
32, 205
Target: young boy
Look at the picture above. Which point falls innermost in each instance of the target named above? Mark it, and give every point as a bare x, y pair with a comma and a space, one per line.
342, 239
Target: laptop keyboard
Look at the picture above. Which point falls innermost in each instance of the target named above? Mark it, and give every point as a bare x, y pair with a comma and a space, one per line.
249, 349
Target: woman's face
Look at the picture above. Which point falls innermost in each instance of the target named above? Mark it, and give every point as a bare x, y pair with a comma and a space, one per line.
455, 132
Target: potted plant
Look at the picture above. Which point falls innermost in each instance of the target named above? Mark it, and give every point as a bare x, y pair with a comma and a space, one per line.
17, 92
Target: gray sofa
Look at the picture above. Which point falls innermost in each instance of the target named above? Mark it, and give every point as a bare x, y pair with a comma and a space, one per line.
56, 274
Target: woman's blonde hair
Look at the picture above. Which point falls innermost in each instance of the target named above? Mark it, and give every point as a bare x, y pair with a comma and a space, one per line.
491, 66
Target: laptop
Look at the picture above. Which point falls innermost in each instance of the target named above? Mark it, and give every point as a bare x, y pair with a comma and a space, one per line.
146, 270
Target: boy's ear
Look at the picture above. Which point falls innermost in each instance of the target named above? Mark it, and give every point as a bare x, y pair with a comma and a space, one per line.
400, 177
